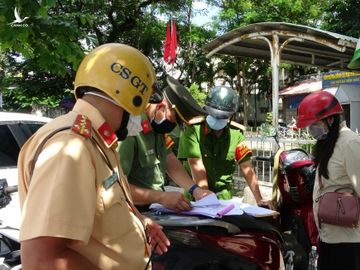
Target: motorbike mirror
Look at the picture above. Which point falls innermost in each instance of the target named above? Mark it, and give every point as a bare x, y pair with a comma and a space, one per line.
267, 130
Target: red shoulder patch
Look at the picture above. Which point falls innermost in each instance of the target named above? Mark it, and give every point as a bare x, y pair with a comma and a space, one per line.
146, 127
82, 126
107, 134
242, 151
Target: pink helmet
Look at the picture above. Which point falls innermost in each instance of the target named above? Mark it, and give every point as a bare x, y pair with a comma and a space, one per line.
315, 107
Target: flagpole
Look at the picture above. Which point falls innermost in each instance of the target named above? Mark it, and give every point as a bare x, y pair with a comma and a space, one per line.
171, 34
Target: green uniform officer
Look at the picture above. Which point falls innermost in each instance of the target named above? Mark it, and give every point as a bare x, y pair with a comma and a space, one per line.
214, 148
220, 155
144, 156
147, 157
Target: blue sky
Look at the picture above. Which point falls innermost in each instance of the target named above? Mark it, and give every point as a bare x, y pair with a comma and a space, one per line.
205, 18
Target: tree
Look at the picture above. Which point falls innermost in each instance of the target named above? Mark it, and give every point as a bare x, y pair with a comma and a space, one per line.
341, 17
44, 53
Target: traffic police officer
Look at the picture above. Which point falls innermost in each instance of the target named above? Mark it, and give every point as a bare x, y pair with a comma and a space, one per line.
215, 147
147, 157
77, 212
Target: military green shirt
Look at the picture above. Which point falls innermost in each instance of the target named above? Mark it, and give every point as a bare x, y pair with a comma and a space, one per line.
220, 155
143, 158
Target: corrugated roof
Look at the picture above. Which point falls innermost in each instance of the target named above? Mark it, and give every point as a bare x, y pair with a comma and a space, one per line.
313, 46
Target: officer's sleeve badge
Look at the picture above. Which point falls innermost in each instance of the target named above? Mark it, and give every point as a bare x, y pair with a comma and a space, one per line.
168, 141
242, 152
82, 126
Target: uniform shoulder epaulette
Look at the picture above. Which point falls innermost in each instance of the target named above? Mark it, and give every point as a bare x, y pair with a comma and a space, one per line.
196, 120
236, 125
169, 142
82, 126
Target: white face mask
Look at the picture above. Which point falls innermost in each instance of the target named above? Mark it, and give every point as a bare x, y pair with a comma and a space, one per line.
134, 125
216, 124
318, 131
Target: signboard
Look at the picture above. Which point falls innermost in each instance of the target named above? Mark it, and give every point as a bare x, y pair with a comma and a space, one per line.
336, 78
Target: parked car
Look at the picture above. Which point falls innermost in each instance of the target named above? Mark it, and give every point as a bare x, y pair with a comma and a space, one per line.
15, 129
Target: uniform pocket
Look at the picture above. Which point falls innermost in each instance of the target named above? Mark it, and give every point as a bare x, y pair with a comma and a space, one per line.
112, 196
116, 216
148, 159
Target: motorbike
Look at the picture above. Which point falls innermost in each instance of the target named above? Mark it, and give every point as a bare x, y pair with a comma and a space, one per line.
293, 182
246, 242
9, 236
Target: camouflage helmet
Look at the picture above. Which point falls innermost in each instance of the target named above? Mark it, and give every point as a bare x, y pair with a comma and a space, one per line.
222, 102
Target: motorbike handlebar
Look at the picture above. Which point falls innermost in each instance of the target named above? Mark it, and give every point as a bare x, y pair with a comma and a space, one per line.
11, 189
269, 159
5, 192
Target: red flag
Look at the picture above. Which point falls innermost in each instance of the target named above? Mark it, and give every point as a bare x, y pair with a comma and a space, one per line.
170, 43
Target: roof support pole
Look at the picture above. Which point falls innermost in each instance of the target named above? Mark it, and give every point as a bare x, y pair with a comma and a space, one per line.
275, 60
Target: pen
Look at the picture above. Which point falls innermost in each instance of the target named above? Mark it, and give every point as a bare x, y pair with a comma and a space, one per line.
225, 210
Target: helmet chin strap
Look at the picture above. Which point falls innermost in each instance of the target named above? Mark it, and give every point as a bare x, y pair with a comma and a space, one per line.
122, 132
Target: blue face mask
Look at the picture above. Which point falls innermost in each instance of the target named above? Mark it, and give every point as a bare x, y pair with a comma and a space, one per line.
318, 131
216, 124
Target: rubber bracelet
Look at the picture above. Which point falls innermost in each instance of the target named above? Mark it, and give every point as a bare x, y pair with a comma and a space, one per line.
192, 188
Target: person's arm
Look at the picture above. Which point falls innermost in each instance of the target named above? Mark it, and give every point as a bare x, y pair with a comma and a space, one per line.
189, 149
198, 172
172, 200
180, 176
351, 161
249, 174
52, 253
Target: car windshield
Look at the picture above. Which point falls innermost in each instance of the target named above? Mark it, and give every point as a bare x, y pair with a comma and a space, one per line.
12, 137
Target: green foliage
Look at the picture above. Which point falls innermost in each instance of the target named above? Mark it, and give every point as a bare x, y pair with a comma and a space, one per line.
197, 94
342, 16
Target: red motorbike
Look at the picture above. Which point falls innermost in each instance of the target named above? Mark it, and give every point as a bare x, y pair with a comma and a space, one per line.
233, 242
295, 181
244, 242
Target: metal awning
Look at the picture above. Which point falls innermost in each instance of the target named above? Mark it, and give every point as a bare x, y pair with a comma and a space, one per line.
300, 44
291, 43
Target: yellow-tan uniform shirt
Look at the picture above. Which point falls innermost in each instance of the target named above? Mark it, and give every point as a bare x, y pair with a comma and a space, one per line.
66, 197
344, 171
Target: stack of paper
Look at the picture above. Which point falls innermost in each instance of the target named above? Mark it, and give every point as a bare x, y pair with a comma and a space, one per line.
210, 206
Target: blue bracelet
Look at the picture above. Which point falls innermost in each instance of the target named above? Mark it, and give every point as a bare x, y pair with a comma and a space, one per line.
192, 188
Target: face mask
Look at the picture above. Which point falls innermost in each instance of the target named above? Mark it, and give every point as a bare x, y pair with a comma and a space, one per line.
318, 131
134, 125
162, 127
122, 132
216, 124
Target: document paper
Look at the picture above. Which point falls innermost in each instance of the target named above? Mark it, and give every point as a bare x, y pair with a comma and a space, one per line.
210, 206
